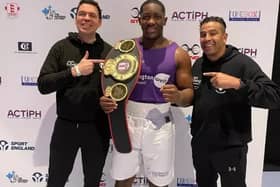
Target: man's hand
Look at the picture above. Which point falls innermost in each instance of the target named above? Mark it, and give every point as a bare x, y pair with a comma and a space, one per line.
107, 104
221, 80
170, 93
86, 65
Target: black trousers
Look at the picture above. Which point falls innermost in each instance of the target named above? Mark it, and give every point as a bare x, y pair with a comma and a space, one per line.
66, 139
229, 162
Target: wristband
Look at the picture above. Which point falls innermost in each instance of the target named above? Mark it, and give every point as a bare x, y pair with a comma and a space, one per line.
77, 71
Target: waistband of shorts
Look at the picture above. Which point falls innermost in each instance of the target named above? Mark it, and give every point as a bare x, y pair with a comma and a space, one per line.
139, 109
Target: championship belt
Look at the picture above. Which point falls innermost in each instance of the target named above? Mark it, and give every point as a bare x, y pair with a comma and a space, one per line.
119, 76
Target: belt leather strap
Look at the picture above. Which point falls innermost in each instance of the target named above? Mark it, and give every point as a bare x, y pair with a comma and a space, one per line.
119, 76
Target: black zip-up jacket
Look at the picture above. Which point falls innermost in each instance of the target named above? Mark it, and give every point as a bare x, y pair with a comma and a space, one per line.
77, 98
223, 117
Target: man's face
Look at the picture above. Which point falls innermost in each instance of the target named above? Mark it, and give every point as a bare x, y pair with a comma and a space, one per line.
152, 21
87, 20
213, 40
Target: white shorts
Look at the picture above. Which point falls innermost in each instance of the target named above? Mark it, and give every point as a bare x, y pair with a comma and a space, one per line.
152, 136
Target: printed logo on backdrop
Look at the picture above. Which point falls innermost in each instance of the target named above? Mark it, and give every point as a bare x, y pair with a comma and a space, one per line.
39, 177
24, 114
12, 9
28, 80
15, 146
52, 14
251, 52
134, 13
186, 182
241, 15
188, 117
25, 48
73, 13
194, 51
183, 15
140, 180
15, 178
4, 145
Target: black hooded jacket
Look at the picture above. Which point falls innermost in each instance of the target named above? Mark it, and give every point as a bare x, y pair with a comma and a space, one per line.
77, 98
223, 117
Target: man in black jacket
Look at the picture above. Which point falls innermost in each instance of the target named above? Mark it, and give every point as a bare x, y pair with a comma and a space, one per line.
70, 69
226, 85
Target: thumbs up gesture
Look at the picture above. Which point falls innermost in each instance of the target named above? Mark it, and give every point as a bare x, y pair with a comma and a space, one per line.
86, 65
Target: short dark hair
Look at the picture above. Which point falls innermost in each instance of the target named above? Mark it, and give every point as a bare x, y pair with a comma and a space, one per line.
91, 2
152, 1
214, 19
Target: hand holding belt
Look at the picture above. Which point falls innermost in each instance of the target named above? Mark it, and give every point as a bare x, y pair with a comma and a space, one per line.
119, 76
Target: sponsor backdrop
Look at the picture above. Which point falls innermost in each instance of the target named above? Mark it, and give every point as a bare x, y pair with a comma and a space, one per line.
29, 29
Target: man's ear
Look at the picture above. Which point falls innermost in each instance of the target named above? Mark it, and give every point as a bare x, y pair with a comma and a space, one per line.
165, 20
99, 23
139, 20
225, 37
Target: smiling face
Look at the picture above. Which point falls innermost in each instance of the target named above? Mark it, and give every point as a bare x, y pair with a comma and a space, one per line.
87, 19
213, 40
152, 20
